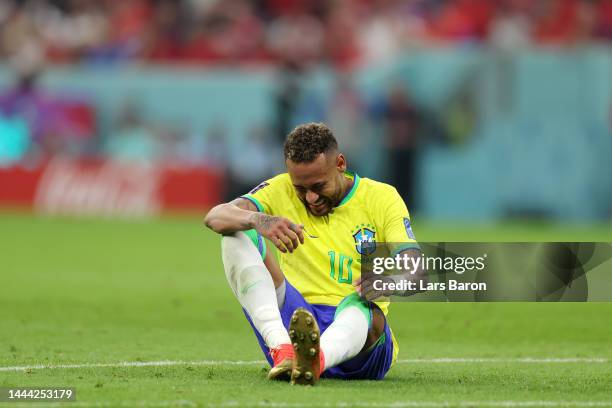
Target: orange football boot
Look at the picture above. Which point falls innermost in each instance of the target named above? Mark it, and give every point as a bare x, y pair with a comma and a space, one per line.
282, 356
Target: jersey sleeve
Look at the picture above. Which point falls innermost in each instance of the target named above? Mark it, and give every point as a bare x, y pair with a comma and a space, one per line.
396, 222
263, 194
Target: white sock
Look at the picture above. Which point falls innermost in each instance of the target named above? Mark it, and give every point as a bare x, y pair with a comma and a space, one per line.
345, 337
253, 286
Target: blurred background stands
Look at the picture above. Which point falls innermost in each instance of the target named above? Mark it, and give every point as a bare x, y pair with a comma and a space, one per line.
473, 109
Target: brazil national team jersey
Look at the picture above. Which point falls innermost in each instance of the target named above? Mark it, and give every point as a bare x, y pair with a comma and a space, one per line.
324, 268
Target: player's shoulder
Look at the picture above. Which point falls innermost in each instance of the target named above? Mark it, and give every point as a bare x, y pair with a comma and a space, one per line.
281, 182
379, 196
276, 186
377, 189
267, 194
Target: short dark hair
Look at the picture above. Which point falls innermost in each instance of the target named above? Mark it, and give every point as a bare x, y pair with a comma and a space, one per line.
307, 141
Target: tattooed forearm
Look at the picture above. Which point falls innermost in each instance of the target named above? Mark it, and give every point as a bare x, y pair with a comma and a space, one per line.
263, 222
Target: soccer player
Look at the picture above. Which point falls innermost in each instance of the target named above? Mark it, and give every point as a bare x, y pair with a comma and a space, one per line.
306, 310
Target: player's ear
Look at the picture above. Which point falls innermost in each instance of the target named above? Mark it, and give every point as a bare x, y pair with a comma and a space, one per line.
341, 163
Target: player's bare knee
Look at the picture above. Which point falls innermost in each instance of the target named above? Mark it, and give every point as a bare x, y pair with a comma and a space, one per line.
378, 322
377, 328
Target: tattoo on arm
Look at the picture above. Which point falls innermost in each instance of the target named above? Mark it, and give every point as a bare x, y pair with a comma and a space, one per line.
263, 221
247, 205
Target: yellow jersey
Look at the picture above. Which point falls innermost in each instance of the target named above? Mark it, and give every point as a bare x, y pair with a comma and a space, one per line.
323, 269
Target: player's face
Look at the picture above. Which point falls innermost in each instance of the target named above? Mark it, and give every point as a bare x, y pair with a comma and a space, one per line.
319, 184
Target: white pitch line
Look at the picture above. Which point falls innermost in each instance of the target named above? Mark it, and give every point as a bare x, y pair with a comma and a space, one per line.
520, 360
420, 404
346, 404
543, 360
427, 404
134, 364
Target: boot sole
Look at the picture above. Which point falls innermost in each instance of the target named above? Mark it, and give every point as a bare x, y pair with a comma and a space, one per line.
304, 333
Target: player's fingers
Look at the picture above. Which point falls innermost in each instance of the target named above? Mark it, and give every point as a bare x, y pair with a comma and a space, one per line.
287, 242
278, 243
363, 289
293, 237
298, 229
372, 294
368, 291
358, 287
368, 288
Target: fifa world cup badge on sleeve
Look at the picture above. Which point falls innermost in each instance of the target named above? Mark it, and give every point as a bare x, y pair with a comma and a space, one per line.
408, 228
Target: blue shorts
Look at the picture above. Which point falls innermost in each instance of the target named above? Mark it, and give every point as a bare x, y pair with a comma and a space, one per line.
370, 365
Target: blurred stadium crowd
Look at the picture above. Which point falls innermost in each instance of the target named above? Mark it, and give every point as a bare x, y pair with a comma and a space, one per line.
342, 33
159, 40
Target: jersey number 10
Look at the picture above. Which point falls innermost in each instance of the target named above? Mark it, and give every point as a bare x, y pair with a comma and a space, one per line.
344, 261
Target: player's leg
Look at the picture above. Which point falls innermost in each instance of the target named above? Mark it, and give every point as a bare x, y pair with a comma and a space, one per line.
344, 339
373, 360
254, 287
273, 268
349, 332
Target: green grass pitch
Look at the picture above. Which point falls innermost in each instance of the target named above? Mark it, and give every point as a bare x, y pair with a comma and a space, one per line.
82, 292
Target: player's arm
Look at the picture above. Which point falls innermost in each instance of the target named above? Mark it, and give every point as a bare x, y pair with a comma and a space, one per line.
418, 276
241, 215
395, 220
366, 288
231, 217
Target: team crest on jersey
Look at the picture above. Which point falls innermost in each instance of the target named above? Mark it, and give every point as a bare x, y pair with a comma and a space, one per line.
365, 239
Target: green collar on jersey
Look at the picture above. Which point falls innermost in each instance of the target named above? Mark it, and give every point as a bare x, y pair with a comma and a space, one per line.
351, 193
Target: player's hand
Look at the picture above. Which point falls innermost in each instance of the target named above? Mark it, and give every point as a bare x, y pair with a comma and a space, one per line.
283, 233
365, 288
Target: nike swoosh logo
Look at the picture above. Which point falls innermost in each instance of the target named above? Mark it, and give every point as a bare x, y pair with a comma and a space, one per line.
246, 289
